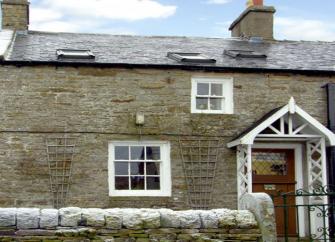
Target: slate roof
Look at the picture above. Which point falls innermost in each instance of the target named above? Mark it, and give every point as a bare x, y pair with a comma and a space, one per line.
151, 50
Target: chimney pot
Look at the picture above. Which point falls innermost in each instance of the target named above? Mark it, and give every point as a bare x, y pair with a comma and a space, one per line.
251, 3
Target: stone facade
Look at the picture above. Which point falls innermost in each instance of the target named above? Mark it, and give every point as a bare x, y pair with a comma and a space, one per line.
121, 225
98, 106
15, 14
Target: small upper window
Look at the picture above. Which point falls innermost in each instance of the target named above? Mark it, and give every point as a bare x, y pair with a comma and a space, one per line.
190, 57
212, 95
74, 54
244, 54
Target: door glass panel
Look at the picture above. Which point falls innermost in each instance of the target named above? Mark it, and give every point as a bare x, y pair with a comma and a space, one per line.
269, 163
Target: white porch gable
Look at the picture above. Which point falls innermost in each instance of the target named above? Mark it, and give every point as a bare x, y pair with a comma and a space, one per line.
285, 124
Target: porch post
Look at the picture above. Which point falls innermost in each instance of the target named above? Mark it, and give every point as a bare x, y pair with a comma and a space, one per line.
249, 169
244, 171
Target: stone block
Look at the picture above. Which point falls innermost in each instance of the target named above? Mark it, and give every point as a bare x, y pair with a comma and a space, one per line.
209, 219
49, 218
35, 232
226, 218
7, 217
169, 218
27, 218
151, 218
113, 218
131, 218
94, 217
245, 219
189, 219
70, 217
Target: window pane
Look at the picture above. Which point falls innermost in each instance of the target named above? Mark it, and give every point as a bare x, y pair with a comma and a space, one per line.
121, 168
216, 103
122, 183
153, 153
202, 103
137, 183
137, 168
137, 152
122, 152
153, 183
152, 168
216, 89
203, 89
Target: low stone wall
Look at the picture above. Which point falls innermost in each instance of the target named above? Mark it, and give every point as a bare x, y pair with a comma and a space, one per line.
142, 225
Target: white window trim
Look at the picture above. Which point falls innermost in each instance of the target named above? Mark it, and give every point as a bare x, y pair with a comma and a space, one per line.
227, 83
165, 171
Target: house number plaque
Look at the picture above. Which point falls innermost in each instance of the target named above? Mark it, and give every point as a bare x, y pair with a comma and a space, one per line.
269, 187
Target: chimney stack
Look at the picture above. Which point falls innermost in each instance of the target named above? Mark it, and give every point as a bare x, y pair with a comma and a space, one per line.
255, 21
15, 14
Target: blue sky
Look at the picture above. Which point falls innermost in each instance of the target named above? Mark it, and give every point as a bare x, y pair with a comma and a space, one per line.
294, 20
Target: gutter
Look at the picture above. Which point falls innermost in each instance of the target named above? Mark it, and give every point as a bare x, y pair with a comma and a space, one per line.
167, 67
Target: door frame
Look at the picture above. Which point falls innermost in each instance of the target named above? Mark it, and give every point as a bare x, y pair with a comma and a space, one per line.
299, 176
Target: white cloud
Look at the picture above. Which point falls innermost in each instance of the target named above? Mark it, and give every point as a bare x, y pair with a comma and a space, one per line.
94, 15
303, 29
218, 1
112, 9
38, 15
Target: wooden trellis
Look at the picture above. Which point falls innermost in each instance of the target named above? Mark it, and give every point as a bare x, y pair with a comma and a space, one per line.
199, 159
60, 153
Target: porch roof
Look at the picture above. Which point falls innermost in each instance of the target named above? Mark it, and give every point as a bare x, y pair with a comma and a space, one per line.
249, 135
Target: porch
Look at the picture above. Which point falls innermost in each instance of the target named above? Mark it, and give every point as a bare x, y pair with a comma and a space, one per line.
285, 152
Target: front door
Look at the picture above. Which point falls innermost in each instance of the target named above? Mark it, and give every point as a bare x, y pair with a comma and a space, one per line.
273, 173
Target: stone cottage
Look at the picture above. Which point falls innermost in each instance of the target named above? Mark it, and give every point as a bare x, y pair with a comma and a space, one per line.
95, 120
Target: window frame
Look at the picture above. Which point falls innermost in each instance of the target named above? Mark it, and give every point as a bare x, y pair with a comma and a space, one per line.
165, 170
227, 94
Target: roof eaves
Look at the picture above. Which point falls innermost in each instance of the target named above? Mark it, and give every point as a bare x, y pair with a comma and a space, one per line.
170, 66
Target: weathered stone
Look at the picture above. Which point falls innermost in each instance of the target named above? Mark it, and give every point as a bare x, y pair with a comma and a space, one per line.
209, 219
94, 217
70, 216
189, 219
169, 218
226, 217
162, 231
245, 219
49, 218
27, 218
87, 232
113, 218
67, 232
261, 205
35, 232
151, 218
4, 232
131, 218
7, 217
140, 218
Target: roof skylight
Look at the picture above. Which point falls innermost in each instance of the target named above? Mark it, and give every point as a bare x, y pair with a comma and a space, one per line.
244, 54
190, 57
74, 54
